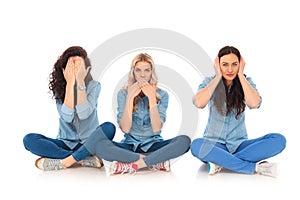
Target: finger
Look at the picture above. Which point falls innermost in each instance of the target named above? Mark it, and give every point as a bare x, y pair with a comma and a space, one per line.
88, 68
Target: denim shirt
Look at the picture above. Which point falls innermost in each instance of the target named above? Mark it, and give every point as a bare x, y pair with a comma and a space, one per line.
141, 133
76, 125
225, 129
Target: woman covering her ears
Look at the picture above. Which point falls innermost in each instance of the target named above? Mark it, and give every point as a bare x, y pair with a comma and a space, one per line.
225, 142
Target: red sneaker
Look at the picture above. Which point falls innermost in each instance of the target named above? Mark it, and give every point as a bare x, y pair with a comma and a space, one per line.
163, 166
121, 168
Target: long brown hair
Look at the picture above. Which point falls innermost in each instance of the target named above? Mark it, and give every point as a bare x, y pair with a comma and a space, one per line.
232, 95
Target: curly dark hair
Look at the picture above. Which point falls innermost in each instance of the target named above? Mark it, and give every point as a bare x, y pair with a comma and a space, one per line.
57, 84
234, 97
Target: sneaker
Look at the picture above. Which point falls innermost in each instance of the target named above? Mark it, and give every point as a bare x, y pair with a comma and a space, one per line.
266, 168
92, 161
163, 166
48, 164
121, 168
213, 168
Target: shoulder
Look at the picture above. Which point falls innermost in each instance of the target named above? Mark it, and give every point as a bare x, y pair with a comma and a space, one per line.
122, 93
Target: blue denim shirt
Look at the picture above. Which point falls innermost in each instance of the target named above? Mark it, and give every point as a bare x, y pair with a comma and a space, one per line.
141, 133
225, 129
76, 125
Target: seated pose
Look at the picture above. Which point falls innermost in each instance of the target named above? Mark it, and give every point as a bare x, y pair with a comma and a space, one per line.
225, 141
76, 95
141, 114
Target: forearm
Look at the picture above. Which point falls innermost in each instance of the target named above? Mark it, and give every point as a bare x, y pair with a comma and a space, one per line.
69, 96
252, 97
81, 93
126, 120
156, 122
202, 98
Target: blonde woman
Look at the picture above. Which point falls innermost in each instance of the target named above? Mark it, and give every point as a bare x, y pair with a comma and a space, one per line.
141, 114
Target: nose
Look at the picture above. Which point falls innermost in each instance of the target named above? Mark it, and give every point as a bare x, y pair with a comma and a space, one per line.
230, 68
142, 73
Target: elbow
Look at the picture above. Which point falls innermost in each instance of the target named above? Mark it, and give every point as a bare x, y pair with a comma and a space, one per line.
125, 130
199, 105
253, 105
156, 130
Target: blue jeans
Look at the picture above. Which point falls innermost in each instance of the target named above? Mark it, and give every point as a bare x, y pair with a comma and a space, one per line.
246, 156
159, 152
43, 146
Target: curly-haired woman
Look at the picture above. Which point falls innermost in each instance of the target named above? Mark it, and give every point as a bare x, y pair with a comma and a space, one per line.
76, 95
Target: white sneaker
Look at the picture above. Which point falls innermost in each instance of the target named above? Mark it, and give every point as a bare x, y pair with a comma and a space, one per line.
213, 168
267, 169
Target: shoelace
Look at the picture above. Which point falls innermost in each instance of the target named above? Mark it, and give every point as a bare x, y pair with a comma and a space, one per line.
125, 167
158, 166
90, 162
53, 164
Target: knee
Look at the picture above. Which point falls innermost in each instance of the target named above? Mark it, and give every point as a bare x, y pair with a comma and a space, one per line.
28, 139
108, 129
199, 149
185, 142
280, 140
196, 146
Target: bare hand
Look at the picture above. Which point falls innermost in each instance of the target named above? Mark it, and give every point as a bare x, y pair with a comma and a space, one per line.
133, 89
69, 72
80, 69
242, 66
217, 67
148, 89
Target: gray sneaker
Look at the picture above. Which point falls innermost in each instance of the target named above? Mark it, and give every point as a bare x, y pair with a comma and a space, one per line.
266, 168
92, 161
48, 164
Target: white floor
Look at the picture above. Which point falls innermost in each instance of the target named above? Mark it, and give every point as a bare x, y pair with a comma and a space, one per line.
187, 179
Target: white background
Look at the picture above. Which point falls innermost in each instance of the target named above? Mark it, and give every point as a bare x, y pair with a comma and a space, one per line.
35, 33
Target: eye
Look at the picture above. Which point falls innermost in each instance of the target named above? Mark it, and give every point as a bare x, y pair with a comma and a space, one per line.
137, 70
147, 70
234, 64
224, 64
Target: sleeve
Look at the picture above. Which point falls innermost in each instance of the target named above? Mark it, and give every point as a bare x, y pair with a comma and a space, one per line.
254, 87
121, 98
163, 105
204, 83
85, 109
65, 113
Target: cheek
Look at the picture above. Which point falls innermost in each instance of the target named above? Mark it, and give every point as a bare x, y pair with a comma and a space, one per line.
223, 69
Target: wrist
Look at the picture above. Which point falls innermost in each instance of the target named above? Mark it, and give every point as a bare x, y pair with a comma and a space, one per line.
81, 87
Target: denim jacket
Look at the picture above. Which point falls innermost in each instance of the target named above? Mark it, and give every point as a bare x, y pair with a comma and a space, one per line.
225, 129
141, 133
76, 125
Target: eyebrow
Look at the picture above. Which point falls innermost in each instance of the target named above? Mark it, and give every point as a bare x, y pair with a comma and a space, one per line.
144, 69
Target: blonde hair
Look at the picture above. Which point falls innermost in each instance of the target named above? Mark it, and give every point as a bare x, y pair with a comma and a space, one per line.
143, 57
